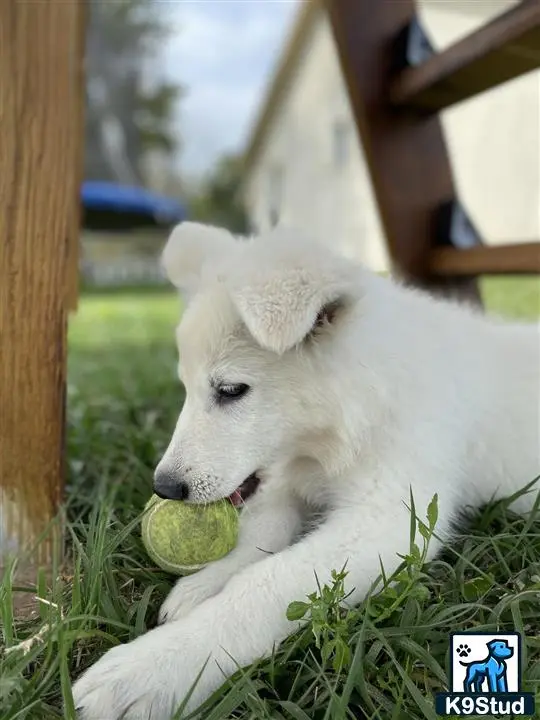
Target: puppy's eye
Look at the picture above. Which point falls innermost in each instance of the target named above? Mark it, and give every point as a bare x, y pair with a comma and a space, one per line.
231, 392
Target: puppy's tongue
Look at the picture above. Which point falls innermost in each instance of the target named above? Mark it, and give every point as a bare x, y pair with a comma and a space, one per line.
236, 498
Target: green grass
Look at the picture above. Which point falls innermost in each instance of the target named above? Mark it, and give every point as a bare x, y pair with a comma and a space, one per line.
513, 297
382, 660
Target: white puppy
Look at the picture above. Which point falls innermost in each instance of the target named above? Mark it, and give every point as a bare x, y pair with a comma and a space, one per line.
314, 386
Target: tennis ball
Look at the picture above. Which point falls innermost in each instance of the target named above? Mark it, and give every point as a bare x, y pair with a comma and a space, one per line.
183, 537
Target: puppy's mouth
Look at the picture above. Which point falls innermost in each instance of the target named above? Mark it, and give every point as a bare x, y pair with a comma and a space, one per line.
244, 491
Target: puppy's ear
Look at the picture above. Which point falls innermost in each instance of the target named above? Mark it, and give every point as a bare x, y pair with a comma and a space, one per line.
189, 247
284, 297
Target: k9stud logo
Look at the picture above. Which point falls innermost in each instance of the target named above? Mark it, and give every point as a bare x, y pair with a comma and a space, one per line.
485, 677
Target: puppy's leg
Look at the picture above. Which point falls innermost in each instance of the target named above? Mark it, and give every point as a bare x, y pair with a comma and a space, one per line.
248, 617
268, 524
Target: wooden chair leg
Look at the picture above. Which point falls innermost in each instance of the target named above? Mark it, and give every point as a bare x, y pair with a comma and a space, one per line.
40, 142
406, 155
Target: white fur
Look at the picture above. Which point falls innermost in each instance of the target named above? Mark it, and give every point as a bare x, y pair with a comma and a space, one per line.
189, 247
400, 390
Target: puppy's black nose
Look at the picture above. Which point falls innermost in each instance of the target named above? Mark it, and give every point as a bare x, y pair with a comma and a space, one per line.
169, 486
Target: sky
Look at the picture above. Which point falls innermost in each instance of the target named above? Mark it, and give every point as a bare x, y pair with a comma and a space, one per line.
224, 53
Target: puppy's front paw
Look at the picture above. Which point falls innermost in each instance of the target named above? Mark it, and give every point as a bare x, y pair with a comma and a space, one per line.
149, 678
191, 591
128, 682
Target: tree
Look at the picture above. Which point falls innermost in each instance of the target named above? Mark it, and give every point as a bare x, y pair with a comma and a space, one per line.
129, 109
219, 200
153, 117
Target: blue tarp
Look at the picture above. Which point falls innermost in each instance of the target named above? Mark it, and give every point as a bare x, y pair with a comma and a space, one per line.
109, 197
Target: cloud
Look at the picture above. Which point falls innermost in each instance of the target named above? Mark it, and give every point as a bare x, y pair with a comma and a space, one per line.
223, 51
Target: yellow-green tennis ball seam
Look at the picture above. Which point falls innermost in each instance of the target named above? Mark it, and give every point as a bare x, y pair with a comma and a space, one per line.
183, 538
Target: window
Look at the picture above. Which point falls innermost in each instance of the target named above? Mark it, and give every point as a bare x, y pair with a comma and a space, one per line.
340, 142
275, 194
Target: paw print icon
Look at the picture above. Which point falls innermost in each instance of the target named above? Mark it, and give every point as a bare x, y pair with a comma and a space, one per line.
463, 650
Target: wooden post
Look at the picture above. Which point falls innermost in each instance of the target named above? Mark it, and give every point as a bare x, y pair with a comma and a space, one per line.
406, 154
41, 142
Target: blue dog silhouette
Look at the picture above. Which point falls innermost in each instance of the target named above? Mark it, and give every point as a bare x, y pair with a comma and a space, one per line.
493, 669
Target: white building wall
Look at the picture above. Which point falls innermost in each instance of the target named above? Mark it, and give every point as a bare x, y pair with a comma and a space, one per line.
333, 202
493, 140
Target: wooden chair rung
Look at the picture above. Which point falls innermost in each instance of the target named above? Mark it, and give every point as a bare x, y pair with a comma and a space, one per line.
505, 48
522, 258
